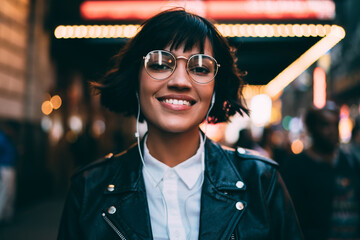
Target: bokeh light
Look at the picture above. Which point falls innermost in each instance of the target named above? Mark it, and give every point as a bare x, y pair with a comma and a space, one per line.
46, 123
75, 124
297, 146
345, 127
295, 125
319, 88
56, 102
260, 109
46, 107
286, 122
98, 127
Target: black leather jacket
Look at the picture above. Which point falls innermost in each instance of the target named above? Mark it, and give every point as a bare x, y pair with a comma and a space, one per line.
107, 199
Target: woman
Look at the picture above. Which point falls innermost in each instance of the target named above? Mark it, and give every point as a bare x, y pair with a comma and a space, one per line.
176, 184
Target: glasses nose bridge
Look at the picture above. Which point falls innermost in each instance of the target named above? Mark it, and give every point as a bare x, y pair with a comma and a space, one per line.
181, 71
181, 58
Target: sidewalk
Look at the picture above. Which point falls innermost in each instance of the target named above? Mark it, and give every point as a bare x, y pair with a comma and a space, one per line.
38, 221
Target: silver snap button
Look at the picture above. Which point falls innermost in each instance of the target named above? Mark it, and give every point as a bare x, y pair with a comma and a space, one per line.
239, 184
239, 206
241, 150
111, 187
112, 210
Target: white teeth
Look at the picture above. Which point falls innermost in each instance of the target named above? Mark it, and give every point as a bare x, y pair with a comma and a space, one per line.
177, 102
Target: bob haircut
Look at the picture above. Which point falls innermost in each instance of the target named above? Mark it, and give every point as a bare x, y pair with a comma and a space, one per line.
175, 28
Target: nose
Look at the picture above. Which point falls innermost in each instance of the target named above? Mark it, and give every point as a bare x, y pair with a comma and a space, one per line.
180, 79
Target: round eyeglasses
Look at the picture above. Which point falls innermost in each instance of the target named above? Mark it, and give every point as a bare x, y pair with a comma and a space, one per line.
161, 64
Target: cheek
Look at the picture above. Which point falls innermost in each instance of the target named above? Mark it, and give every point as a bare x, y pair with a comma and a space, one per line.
148, 89
145, 86
206, 93
144, 90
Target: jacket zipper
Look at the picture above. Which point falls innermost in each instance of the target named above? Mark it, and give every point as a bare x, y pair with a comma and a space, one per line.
232, 237
107, 220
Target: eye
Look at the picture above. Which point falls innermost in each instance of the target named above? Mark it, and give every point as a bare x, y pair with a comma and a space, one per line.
199, 70
156, 67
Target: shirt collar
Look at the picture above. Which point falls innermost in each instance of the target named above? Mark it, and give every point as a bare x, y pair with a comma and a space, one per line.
188, 171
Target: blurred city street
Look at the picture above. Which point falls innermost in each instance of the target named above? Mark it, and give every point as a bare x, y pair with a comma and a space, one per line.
292, 55
38, 220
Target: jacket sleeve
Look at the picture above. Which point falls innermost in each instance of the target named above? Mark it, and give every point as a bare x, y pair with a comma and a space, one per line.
284, 221
69, 226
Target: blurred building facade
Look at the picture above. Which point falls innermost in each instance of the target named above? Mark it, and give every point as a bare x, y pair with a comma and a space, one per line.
345, 64
26, 74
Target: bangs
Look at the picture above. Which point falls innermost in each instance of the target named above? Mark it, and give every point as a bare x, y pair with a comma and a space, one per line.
189, 35
177, 30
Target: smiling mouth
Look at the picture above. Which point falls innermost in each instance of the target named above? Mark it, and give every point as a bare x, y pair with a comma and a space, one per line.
177, 101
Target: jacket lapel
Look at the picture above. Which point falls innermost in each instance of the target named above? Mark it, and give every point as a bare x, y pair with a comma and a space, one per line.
126, 192
221, 201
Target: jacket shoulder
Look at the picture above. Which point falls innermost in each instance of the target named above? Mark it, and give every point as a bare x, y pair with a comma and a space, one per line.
248, 154
243, 154
107, 161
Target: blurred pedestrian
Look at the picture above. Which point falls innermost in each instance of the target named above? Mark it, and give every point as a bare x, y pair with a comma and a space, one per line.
275, 144
246, 140
324, 181
7, 177
176, 183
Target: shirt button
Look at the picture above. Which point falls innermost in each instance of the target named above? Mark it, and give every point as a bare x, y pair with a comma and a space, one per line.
239, 184
239, 206
112, 210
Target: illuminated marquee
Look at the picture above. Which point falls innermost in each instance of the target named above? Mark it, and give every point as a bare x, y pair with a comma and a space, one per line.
217, 10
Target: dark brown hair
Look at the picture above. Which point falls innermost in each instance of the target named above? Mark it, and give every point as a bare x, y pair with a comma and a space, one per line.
174, 28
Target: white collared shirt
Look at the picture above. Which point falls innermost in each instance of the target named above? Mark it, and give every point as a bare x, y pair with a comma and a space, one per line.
173, 195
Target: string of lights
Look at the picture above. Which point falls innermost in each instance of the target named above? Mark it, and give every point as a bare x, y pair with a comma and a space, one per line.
228, 30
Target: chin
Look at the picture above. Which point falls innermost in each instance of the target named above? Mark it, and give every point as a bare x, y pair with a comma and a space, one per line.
178, 126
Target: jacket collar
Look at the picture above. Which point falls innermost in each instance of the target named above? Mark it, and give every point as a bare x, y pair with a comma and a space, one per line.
216, 161
221, 208
220, 211
129, 174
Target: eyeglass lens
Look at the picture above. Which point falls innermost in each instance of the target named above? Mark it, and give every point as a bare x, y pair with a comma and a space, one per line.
161, 64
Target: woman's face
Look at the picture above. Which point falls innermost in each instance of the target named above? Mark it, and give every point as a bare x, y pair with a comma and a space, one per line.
176, 104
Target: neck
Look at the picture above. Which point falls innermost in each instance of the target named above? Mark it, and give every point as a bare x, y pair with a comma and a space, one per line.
172, 148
